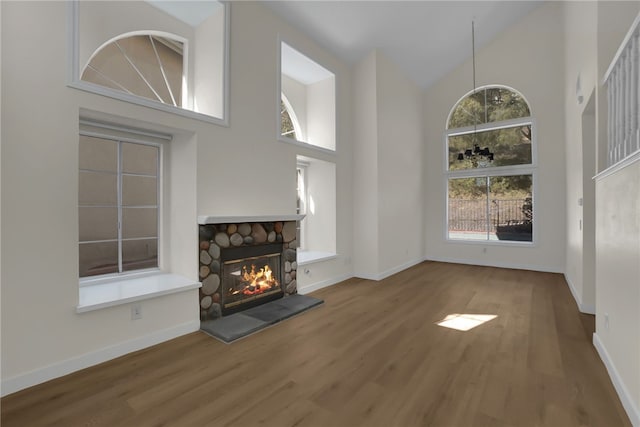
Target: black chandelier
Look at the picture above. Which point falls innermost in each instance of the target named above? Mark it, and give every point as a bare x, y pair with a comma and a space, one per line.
479, 156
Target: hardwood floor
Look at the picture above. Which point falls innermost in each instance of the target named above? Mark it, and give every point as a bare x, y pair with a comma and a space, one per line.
372, 355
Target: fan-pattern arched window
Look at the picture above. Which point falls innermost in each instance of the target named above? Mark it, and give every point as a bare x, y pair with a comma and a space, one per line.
289, 125
490, 167
286, 124
145, 65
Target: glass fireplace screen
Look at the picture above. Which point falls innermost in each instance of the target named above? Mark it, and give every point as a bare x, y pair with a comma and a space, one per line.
249, 279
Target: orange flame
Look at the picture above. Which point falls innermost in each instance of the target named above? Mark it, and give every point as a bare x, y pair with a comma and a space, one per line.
258, 282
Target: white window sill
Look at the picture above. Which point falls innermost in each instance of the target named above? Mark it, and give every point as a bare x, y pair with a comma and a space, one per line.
309, 257
496, 242
137, 100
109, 294
318, 148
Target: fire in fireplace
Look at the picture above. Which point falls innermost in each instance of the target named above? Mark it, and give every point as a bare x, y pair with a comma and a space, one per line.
245, 263
250, 276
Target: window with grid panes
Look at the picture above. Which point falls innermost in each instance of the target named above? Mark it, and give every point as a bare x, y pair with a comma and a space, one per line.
118, 205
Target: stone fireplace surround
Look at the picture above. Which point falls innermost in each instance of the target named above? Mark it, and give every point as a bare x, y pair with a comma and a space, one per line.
217, 233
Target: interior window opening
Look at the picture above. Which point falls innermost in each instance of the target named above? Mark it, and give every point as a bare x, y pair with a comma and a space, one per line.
159, 54
316, 199
308, 101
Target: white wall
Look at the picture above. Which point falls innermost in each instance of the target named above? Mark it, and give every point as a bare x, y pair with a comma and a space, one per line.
617, 234
388, 180
237, 170
365, 167
580, 22
321, 113
208, 64
618, 282
602, 260
400, 171
529, 58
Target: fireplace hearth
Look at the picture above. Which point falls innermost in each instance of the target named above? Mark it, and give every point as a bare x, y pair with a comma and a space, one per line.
245, 263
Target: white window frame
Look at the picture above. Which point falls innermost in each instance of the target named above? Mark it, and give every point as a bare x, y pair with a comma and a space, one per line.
74, 81
302, 237
493, 171
120, 134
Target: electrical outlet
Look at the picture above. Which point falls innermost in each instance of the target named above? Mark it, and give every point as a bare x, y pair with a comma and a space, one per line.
606, 321
136, 312
484, 250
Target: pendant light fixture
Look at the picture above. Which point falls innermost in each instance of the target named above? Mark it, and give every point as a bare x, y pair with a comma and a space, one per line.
481, 157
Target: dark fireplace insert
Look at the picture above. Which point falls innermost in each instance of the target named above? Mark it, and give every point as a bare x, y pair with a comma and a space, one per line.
250, 276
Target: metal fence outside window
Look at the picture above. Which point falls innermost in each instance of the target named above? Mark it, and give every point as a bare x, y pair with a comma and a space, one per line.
471, 214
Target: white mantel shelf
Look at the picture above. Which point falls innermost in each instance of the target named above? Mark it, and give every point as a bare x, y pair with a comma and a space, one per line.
208, 219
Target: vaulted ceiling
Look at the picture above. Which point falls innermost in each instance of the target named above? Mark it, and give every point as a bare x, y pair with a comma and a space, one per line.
426, 39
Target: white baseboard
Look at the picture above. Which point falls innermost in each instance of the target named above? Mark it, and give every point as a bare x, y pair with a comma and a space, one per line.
618, 383
584, 308
20, 382
366, 276
389, 272
587, 309
398, 269
492, 264
323, 284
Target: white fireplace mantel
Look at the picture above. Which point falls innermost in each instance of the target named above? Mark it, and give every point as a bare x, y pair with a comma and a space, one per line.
212, 219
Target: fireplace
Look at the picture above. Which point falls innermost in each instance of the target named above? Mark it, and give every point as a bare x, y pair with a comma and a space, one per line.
245, 261
250, 276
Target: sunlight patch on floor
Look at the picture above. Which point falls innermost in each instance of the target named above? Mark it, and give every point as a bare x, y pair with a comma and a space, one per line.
465, 322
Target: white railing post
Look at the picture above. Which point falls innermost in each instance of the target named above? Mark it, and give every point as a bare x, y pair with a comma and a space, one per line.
609, 121
626, 93
632, 96
620, 113
617, 112
636, 88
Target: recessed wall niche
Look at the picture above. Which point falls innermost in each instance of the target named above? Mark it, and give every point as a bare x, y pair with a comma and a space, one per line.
167, 55
307, 100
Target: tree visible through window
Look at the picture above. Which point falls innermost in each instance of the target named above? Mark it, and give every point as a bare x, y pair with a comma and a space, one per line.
490, 167
286, 124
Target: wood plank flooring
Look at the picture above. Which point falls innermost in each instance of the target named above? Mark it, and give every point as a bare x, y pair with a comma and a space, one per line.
372, 355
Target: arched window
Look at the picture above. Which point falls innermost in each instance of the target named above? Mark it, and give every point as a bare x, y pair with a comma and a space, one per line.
146, 65
490, 167
289, 126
